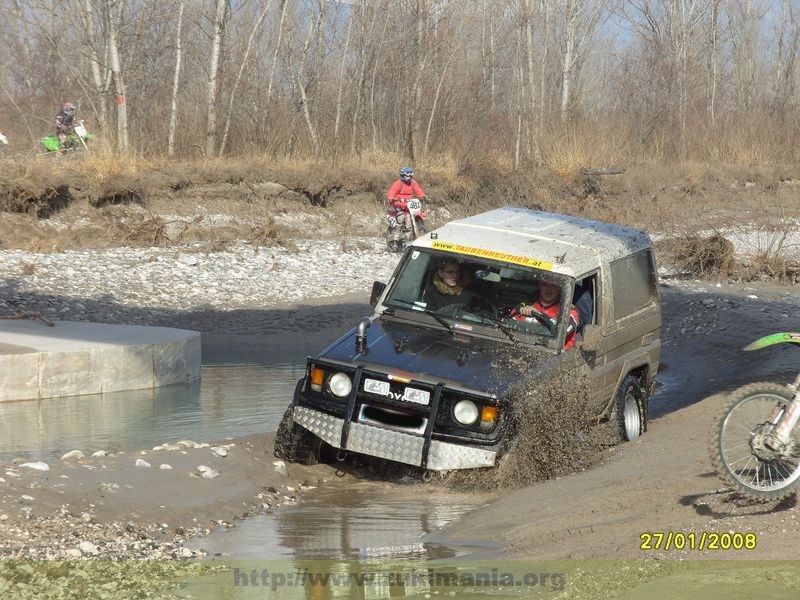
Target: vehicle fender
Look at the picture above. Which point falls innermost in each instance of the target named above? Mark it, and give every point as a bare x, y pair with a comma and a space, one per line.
635, 362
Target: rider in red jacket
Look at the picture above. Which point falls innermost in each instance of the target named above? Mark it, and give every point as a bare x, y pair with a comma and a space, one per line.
402, 190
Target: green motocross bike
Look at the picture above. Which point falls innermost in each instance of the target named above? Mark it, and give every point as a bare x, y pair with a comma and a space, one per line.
76, 140
752, 444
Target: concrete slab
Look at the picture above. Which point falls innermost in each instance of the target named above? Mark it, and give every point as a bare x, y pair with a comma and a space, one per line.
74, 358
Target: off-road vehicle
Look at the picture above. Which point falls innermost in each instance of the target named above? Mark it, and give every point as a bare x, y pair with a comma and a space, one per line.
434, 388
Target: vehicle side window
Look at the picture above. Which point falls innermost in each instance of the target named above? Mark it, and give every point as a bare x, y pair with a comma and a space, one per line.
583, 299
634, 283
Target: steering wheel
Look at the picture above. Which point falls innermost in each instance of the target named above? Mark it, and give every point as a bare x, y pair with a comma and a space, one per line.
541, 317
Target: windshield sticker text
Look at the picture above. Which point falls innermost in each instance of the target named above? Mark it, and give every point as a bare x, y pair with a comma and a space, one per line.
493, 254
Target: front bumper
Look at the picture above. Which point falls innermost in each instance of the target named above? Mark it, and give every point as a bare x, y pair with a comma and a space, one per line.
392, 445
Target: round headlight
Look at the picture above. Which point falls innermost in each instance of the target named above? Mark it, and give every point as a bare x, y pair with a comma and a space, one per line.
465, 412
340, 385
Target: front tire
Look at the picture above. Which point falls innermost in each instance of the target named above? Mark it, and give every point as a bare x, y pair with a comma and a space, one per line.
292, 442
630, 409
736, 451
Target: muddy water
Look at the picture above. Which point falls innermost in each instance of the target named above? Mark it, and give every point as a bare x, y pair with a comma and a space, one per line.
359, 521
228, 401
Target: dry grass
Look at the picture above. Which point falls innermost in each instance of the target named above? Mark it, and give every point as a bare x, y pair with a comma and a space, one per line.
699, 256
567, 153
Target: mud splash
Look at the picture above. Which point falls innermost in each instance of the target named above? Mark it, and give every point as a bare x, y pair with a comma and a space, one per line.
556, 434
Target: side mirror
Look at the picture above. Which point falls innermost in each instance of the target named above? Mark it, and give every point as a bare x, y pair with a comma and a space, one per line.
592, 336
377, 290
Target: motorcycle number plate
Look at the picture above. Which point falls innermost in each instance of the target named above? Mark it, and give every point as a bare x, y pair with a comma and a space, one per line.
414, 205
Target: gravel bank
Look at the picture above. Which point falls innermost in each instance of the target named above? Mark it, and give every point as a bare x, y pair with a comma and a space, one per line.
148, 286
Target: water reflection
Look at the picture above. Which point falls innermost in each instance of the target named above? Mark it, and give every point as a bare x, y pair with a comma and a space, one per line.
227, 401
362, 540
358, 521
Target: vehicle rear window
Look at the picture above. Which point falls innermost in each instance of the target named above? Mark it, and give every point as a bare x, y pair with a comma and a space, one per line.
634, 283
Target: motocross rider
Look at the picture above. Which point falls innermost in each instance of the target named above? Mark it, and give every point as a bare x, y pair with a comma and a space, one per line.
64, 123
402, 190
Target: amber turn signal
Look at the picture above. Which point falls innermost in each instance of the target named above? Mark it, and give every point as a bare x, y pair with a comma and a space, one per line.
488, 414
317, 377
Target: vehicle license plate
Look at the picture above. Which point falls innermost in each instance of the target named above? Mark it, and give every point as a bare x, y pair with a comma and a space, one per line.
417, 396
373, 386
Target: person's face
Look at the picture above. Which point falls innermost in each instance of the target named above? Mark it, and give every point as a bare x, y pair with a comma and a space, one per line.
450, 274
548, 293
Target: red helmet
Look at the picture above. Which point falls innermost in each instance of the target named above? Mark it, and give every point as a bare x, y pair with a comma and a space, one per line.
69, 108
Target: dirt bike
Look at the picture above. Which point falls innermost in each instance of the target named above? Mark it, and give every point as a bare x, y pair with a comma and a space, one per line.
396, 240
76, 140
752, 444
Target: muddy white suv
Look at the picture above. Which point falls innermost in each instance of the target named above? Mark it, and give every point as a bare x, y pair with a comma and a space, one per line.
432, 386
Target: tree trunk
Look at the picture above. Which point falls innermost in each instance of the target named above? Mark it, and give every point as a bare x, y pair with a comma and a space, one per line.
339, 93
299, 76
118, 79
570, 32
378, 54
100, 89
220, 18
275, 53
245, 58
173, 113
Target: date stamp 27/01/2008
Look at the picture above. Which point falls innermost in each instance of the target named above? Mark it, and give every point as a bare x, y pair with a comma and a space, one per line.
705, 540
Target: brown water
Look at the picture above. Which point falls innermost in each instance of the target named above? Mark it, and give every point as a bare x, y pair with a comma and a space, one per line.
357, 521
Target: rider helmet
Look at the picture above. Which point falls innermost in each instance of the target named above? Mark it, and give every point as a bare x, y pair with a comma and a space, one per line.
406, 173
69, 108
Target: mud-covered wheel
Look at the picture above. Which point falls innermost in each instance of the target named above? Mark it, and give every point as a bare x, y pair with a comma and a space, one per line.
630, 409
743, 454
393, 244
292, 442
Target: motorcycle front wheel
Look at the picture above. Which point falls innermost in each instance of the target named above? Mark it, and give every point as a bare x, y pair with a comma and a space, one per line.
736, 444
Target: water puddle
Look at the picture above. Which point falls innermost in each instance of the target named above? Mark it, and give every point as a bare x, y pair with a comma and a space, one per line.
361, 521
227, 401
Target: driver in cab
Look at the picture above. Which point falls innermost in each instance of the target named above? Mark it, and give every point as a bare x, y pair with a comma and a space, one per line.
546, 310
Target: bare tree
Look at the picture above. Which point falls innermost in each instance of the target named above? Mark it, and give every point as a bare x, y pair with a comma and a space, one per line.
217, 41
339, 91
173, 113
242, 65
113, 17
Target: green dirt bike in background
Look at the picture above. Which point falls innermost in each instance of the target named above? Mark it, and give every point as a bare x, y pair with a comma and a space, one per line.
76, 140
752, 444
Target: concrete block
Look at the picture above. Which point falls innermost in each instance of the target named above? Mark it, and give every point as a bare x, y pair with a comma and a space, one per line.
68, 374
73, 359
124, 367
169, 363
19, 376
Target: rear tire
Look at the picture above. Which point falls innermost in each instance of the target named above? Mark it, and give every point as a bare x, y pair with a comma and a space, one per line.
292, 442
630, 409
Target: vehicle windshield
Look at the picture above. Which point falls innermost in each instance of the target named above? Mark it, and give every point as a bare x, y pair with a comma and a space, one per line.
472, 291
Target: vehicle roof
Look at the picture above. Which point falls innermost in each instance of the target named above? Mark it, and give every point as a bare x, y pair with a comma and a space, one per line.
560, 243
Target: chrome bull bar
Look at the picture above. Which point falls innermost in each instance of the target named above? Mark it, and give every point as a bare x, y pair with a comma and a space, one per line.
391, 444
